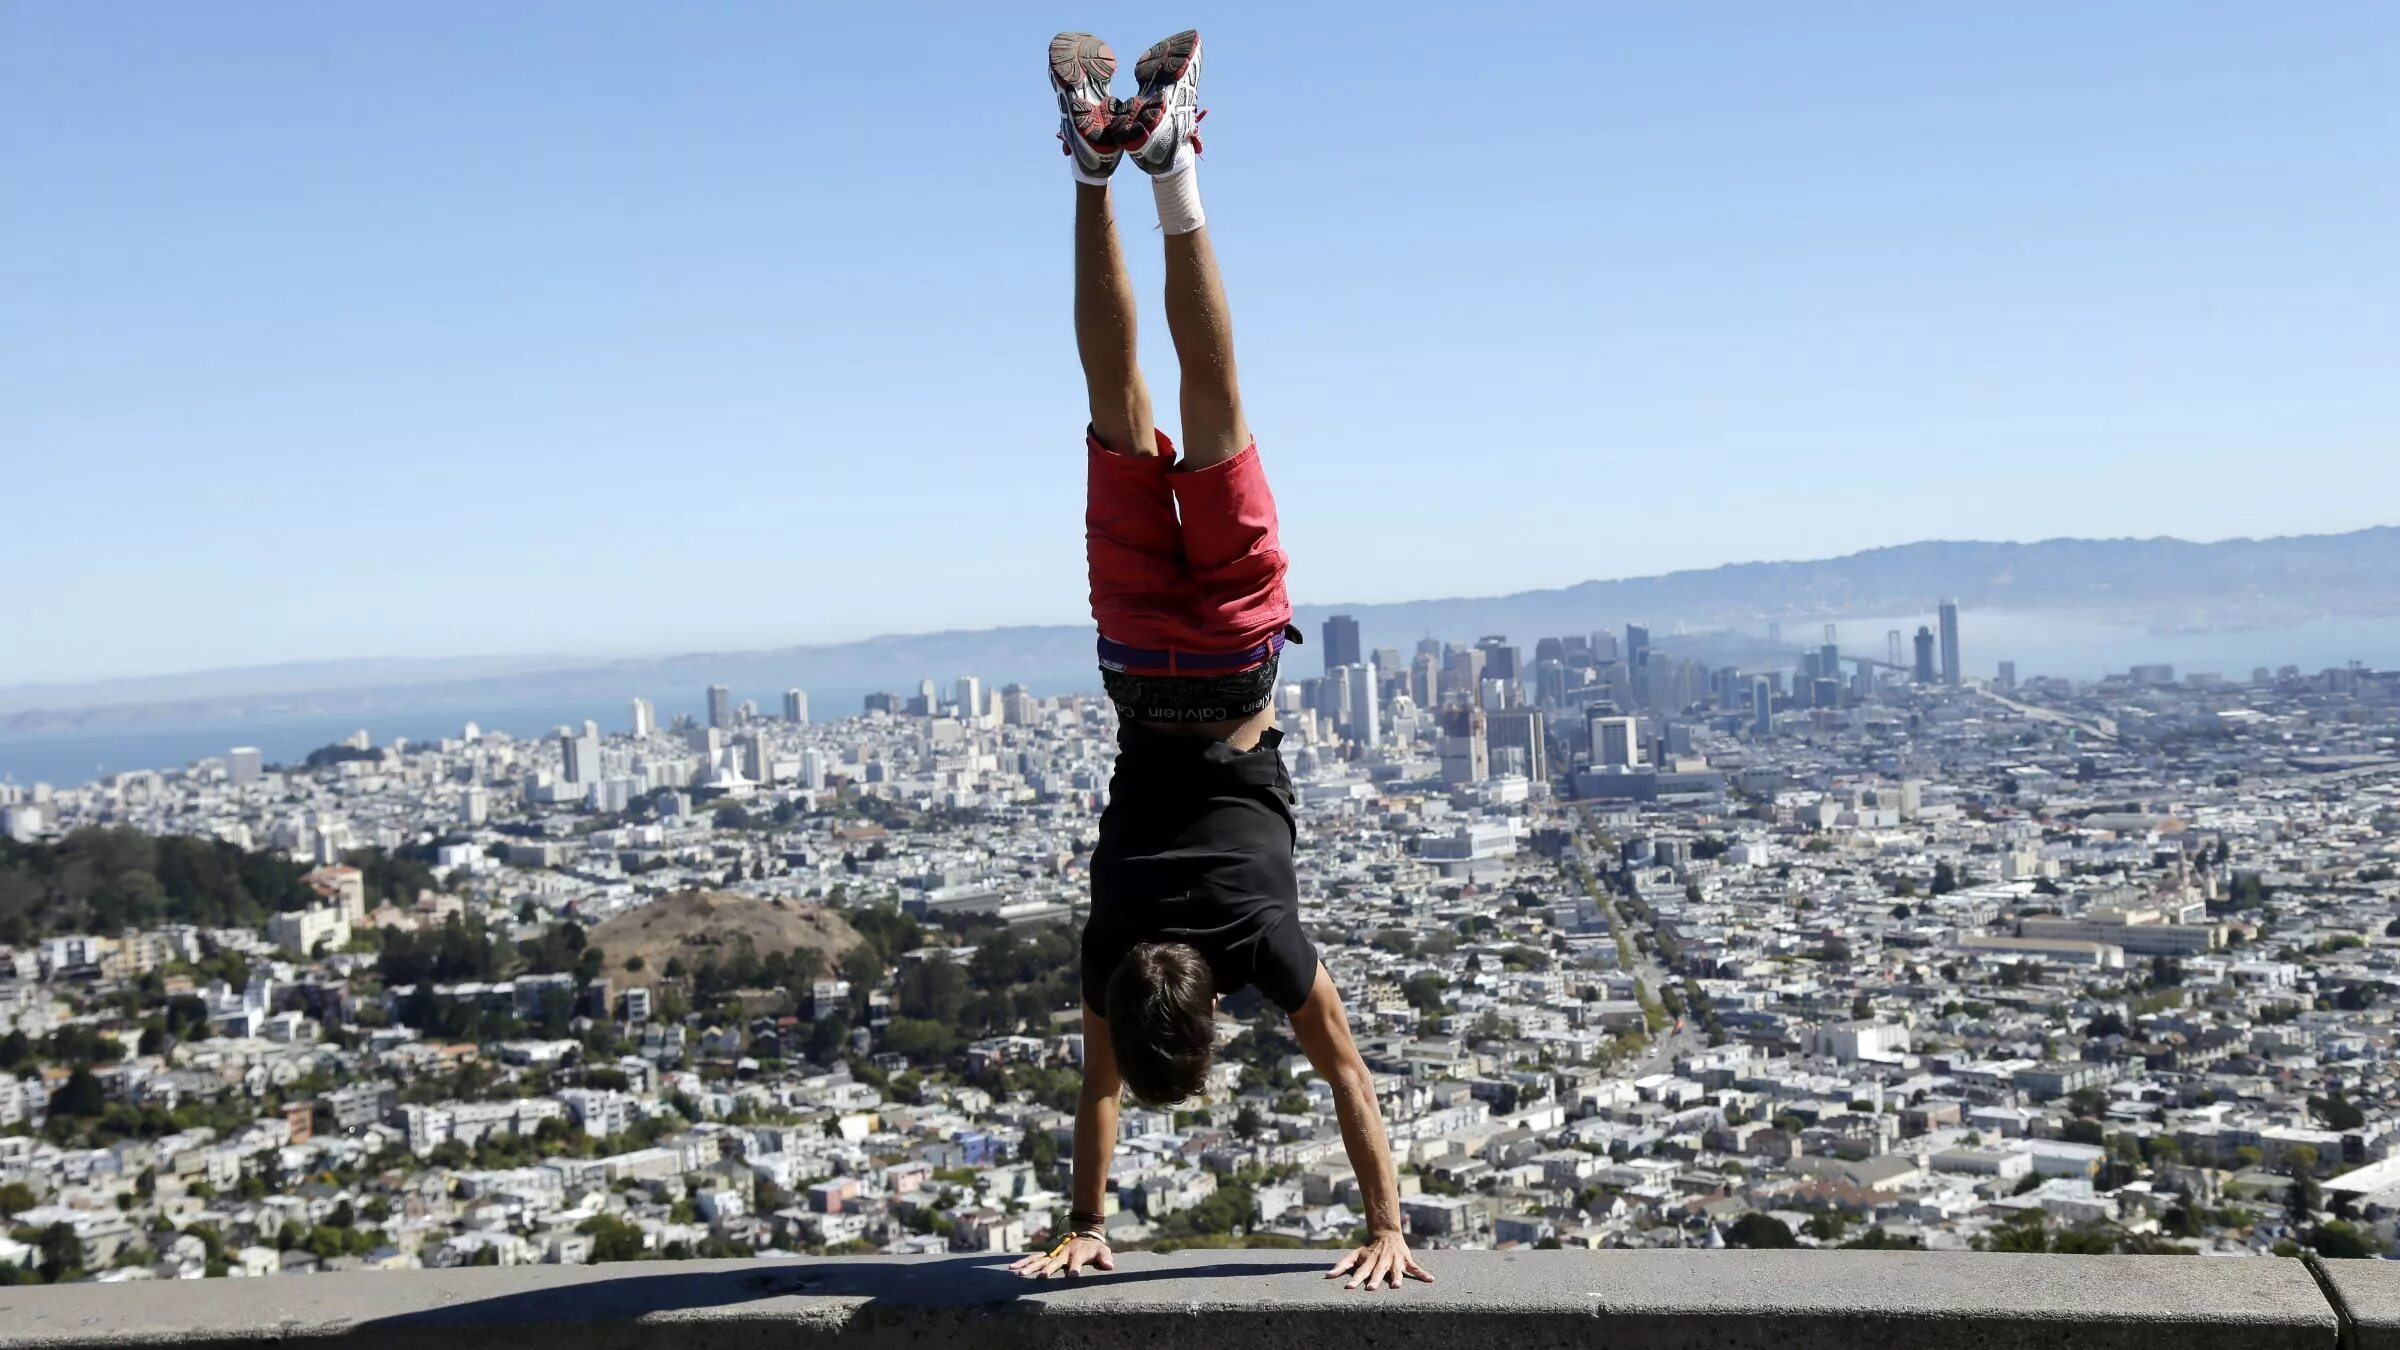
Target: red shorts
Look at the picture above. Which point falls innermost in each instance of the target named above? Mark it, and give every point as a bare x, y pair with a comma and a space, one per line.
1183, 563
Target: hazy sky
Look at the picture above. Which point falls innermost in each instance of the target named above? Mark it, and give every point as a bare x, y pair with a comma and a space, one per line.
421, 329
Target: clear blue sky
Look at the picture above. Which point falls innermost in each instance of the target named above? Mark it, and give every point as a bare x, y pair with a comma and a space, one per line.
428, 329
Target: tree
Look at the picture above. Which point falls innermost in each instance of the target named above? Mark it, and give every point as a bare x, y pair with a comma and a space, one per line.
2338, 1112
1945, 878
81, 1097
62, 1252
1877, 1240
1247, 1122
2342, 1241
16, 1197
1759, 1230
613, 1239
1424, 993
2302, 1199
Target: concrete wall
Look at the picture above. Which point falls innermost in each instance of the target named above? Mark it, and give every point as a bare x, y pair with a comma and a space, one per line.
1732, 1300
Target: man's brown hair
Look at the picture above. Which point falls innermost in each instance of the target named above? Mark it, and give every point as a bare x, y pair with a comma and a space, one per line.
1162, 1021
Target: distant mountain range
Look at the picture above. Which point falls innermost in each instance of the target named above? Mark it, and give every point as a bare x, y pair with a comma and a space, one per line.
2167, 584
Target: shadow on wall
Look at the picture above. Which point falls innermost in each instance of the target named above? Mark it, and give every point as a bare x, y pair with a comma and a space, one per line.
573, 1305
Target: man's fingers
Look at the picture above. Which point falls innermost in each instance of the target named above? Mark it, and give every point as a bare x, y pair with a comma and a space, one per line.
1342, 1267
1419, 1272
1075, 1259
1104, 1259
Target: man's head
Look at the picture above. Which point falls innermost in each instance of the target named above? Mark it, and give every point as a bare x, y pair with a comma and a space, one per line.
1162, 1015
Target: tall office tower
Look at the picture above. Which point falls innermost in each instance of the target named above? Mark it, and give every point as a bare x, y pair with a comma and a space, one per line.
1725, 687
1893, 654
1616, 741
1605, 647
704, 741
1829, 662
1366, 711
1637, 641
757, 760
1826, 693
970, 698
814, 764
1017, 708
1462, 675
581, 750
1424, 686
1466, 748
2008, 676
1762, 706
1387, 663
1576, 644
1497, 694
474, 806
1548, 649
1550, 683
746, 710
1924, 654
1520, 729
1501, 661
645, 719
1951, 674
242, 765
1774, 633
1430, 646
1341, 642
720, 706
1333, 696
795, 707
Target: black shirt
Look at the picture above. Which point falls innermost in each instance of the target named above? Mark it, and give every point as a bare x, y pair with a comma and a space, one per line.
1196, 847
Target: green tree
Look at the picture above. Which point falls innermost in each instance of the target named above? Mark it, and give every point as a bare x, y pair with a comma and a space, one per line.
2341, 1240
81, 1097
613, 1239
1759, 1230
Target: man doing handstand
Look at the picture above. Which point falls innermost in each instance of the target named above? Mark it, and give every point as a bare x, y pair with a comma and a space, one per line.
1194, 891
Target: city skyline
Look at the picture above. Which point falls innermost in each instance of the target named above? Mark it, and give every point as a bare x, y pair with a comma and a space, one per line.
1644, 954
2018, 278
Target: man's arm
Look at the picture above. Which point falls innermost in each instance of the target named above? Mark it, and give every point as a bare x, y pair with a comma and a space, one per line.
1323, 1029
1095, 1145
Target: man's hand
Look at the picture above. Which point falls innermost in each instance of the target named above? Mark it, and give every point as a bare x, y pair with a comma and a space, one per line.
1070, 1256
1383, 1258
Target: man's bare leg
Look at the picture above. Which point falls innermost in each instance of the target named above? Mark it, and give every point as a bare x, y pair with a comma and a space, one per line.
1104, 329
1201, 323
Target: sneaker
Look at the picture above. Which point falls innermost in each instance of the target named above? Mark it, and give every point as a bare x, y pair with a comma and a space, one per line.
1080, 68
1156, 122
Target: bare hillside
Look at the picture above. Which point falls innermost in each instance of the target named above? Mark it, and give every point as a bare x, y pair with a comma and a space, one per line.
701, 926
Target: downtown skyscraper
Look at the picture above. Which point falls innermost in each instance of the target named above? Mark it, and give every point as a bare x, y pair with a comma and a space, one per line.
1341, 642
1950, 670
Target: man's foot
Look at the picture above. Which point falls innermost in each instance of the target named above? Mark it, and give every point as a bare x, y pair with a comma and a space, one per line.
1080, 68
1165, 114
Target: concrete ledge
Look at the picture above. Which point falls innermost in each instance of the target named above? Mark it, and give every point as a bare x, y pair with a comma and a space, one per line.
1667, 1300
2367, 1294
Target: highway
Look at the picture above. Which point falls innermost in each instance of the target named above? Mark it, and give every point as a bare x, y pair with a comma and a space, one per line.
2099, 727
